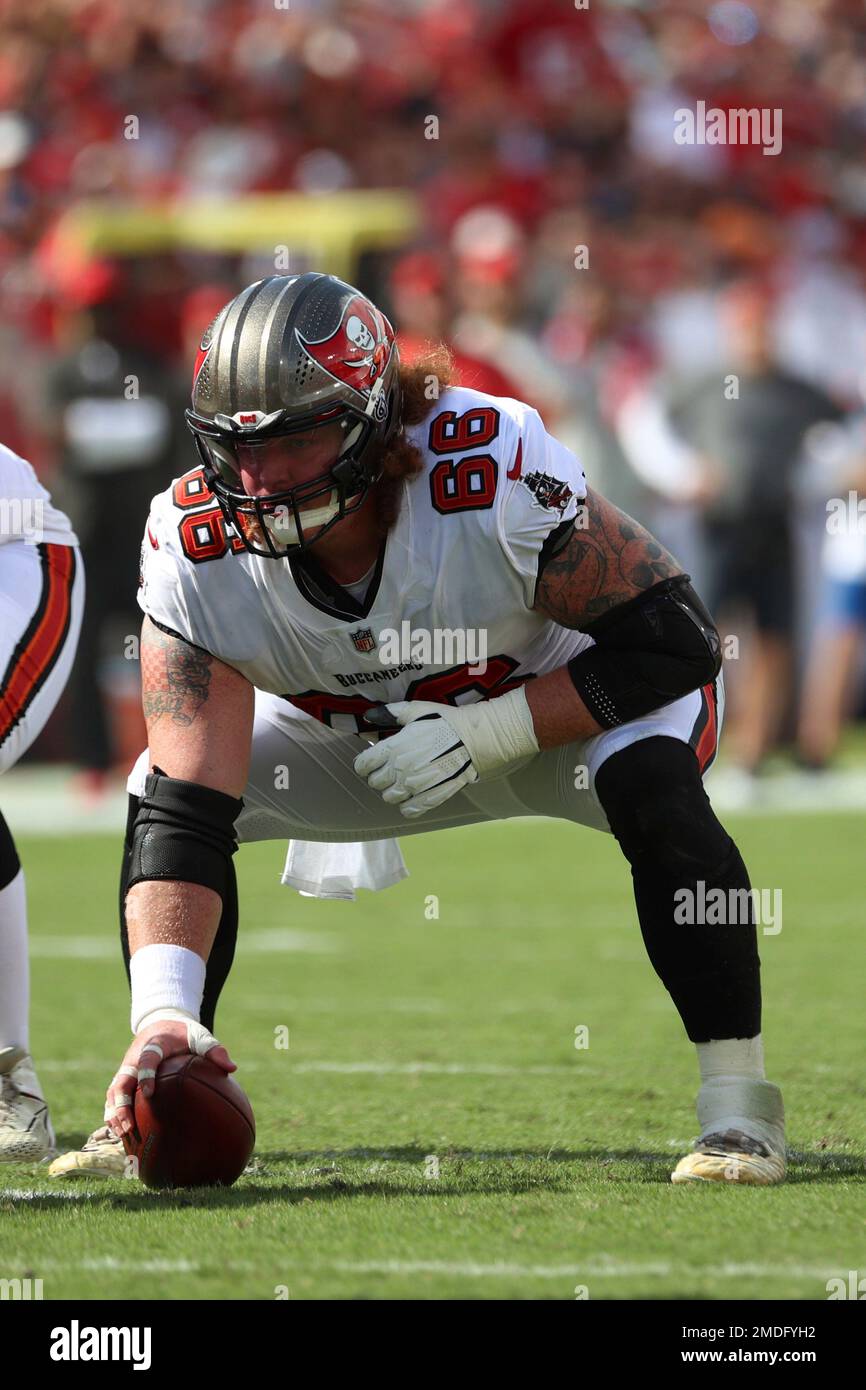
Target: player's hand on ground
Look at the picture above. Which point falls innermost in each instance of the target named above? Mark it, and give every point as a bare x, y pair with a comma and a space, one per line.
423, 764
159, 1039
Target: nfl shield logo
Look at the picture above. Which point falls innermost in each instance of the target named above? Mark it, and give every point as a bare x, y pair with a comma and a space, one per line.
363, 640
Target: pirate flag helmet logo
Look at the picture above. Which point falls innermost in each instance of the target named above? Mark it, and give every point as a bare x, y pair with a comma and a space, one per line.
358, 349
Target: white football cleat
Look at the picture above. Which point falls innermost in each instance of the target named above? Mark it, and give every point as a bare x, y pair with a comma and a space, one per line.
100, 1156
26, 1135
742, 1136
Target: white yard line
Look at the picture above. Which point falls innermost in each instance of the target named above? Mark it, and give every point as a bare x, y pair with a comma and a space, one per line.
370, 1004
593, 1267
79, 1064
34, 1194
109, 1263
436, 1069
273, 941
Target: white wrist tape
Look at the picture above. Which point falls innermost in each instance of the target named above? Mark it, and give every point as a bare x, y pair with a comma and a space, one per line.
198, 1038
165, 977
496, 732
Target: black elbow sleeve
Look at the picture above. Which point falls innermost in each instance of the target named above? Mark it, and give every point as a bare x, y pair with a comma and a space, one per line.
183, 831
648, 652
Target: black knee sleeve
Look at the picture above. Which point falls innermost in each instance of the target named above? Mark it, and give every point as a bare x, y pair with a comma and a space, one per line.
679, 853
9, 861
223, 950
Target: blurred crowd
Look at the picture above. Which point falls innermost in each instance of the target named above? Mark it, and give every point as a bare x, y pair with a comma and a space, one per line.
690, 318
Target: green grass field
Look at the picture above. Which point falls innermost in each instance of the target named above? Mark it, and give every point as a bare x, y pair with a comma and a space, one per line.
454, 1038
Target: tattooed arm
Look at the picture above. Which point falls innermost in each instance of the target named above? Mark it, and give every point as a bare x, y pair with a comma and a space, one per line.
603, 565
198, 711
199, 715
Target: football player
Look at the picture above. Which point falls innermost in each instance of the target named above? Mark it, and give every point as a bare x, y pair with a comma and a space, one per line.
341, 499
41, 602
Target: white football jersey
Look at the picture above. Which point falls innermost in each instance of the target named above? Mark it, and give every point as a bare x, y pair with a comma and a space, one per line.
26, 510
448, 612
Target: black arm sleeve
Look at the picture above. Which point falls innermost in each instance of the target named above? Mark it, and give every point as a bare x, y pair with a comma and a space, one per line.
648, 652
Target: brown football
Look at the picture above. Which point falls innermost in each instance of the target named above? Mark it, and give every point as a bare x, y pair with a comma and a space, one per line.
196, 1130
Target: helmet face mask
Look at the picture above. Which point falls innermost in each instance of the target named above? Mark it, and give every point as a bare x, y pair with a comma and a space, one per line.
286, 357
277, 524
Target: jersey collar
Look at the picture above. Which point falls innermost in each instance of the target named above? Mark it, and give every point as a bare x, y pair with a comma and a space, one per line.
324, 593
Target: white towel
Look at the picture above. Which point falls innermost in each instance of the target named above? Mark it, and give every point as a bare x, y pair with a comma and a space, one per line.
337, 869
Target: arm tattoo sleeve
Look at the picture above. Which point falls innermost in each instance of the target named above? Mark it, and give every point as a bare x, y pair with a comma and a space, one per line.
175, 676
611, 560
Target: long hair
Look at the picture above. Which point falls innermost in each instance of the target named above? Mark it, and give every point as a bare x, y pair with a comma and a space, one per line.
421, 385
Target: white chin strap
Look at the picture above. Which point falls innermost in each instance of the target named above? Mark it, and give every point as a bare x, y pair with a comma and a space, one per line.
281, 522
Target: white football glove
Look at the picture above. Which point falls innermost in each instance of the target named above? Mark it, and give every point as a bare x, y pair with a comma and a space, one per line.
442, 748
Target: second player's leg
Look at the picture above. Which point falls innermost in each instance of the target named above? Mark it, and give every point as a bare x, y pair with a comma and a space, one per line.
41, 602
